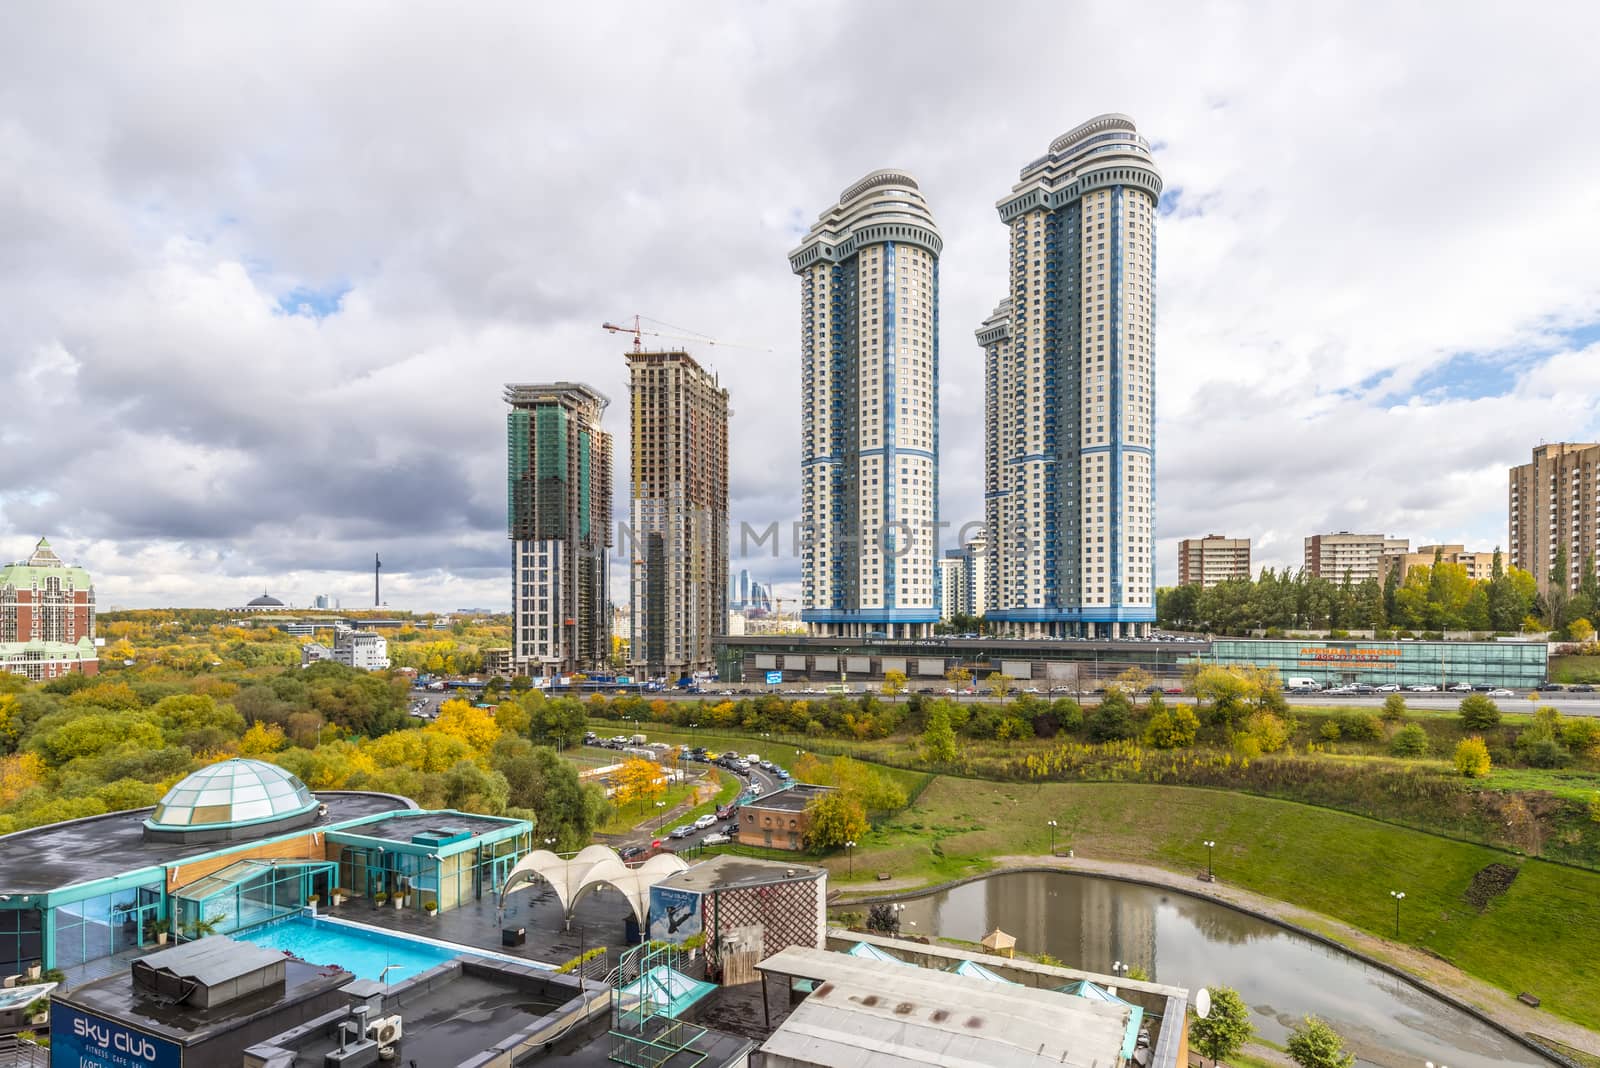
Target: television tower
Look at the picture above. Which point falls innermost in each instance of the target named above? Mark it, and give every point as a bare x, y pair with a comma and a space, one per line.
377, 597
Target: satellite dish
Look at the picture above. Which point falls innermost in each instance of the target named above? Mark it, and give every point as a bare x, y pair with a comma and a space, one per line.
1202, 1003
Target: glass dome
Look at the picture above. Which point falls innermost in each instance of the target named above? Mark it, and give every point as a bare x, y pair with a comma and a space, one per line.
231, 794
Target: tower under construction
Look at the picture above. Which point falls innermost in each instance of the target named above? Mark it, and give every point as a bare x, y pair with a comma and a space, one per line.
558, 516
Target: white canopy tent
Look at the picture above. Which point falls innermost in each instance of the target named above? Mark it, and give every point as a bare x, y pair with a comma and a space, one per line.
573, 877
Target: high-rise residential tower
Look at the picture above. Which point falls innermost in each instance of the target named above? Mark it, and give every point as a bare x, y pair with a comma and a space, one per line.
1212, 559
46, 617
869, 385
558, 516
1070, 391
1555, 503
679, 574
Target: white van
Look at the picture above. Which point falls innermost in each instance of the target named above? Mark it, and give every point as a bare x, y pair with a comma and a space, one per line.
753, 758
1302, 684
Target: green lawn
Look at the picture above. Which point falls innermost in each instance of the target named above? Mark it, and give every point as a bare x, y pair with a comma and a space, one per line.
1538, 936
624, 818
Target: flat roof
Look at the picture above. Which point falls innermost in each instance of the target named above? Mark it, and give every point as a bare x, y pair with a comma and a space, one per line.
117, 998
792, 798
729, 872
874, 1013
57, 855
403, 826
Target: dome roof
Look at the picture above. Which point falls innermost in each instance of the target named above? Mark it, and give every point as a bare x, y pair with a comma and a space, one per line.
230, 794
265, 601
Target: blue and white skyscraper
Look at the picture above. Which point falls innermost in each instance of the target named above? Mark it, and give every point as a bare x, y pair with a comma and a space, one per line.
1070, 391
869, 299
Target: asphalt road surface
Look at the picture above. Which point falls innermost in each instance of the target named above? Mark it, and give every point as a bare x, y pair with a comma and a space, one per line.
755, 776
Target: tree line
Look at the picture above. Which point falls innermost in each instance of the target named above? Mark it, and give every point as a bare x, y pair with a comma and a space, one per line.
1426, 599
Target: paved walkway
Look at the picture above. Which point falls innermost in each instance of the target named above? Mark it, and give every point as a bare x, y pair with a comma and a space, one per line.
1490, 1000
649, 823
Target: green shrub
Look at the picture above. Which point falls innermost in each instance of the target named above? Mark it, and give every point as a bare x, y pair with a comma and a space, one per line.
1068, 713
1113, 720
1581, 735
1544, 753
1360, 727
1472, 758
1329, 730
1478, 713
1410, 741
1394, 708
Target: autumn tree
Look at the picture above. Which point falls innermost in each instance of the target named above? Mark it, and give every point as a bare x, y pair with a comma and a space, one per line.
473, 725
1472, 758
959, 679
894, 683
1136, 681
835, 818
638, 780
999, 683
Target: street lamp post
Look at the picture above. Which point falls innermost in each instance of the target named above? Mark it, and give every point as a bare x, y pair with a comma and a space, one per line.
1119, 969
1399, 896
850, 853
1052, 825
899, 907
659, 814
1211, 872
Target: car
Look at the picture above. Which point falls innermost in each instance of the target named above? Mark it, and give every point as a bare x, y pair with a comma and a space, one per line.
1174, 690
1423, 687
715, 839
1459, 687
1549, 687
681, 831
705, 821
1501, 692
731, 829
1389, 687
1339, 691
628, 852
1583, 688
755, 789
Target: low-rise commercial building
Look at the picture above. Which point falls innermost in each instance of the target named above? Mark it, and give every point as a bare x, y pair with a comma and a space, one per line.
779, 820
1067, 666
1356, 557
1212, 559
361, 649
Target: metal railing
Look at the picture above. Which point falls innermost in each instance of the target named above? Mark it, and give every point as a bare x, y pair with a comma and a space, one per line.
19, 1053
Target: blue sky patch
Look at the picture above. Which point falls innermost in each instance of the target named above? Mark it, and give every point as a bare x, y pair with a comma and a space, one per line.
313, 303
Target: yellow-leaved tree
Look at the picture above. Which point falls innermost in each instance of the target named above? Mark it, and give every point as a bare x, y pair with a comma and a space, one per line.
638, 780
473, 725
262, 739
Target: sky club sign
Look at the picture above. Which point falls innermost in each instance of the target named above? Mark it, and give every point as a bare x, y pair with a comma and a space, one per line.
83, 1040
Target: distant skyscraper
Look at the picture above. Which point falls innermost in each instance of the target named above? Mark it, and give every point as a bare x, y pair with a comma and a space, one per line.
1070, 387
679, 575
558, 516
869, 353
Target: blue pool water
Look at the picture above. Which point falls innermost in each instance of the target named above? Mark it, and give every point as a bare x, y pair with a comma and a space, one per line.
362, 951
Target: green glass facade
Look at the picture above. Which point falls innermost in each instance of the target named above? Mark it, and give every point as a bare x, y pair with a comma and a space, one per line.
1513, 665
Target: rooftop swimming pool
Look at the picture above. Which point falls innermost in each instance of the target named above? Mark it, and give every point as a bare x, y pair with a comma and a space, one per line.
366, 952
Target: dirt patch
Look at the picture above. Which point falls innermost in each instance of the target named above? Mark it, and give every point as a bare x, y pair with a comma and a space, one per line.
1489, 884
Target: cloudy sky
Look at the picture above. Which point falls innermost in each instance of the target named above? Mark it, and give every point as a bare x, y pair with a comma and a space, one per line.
263, 271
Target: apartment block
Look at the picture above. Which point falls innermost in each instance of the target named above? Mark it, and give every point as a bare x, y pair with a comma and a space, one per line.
1212, 559
869, 394
1555, 501
1479, 565
679, 512
46, 617
1069, 367
558, 517
1357, 557
964, 580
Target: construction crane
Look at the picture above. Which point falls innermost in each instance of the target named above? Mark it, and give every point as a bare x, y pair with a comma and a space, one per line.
638, 333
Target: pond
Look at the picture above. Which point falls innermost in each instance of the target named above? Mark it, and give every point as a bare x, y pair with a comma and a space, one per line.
1089, 922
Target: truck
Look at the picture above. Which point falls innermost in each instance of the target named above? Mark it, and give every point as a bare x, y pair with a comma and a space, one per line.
637, 739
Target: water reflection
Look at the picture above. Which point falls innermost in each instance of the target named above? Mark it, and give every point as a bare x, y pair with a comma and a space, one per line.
1089, 923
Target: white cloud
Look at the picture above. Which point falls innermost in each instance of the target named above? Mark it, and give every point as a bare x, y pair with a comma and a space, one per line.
1357, 202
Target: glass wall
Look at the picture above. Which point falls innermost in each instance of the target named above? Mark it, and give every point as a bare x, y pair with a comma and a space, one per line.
100, 926
1515, 665
21, 939
247, 893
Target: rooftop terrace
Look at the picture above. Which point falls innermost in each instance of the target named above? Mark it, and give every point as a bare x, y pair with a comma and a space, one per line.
47, 858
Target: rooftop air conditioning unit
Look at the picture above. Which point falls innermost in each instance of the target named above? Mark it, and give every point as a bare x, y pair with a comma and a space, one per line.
385, 1032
